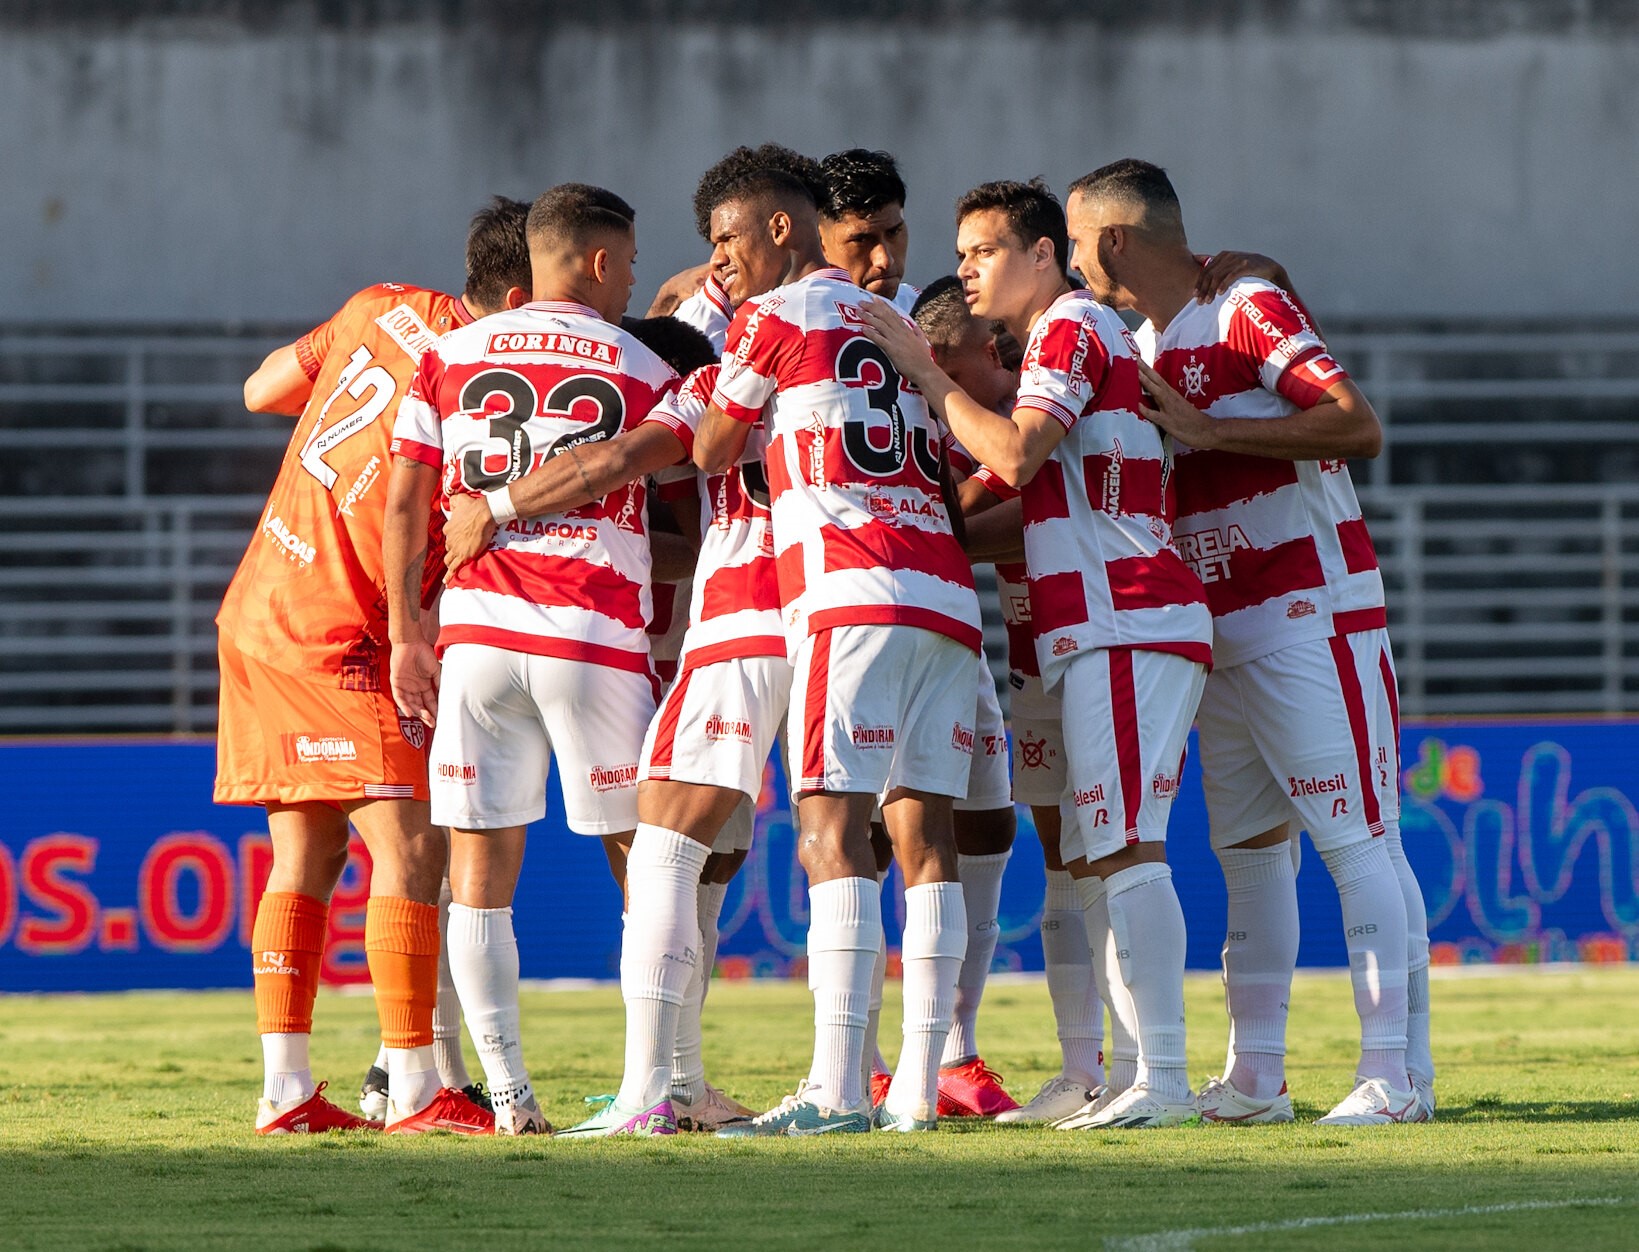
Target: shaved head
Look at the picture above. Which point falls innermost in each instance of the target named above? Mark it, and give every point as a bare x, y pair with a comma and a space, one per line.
1141, 192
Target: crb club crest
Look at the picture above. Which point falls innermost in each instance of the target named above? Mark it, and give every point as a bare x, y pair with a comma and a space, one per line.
1194, 377
414, 731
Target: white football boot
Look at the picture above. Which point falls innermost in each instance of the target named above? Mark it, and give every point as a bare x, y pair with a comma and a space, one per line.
1134, 1109
1374, 1103
1221, 1101
1058, 1098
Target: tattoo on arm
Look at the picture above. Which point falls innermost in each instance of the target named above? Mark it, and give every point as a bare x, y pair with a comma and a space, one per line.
586, 482
412, 584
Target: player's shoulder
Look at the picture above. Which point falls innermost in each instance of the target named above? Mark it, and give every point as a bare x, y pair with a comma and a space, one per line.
383, 296
1259, 300
698, 386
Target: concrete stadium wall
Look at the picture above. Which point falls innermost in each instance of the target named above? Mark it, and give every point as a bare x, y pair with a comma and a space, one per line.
258, 165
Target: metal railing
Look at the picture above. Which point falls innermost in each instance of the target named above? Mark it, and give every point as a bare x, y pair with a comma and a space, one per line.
1505, 509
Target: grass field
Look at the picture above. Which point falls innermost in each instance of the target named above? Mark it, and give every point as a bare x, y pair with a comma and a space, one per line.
126, 1123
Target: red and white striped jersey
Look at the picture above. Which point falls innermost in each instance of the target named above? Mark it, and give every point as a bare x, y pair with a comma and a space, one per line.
1012, 577
501, 397
708, 311
1280, 545
861, 534
735, 610
1097, 514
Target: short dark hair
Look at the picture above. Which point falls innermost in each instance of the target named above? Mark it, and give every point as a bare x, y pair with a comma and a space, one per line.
732, 177
942, 313
1032, 211
675, 342
859, 181
1140, 183
497, 252
576, 213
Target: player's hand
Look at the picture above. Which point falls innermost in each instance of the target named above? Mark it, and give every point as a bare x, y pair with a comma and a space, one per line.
1172, 413
467, 532
1225, 267
413, 675
678, 288
903, 341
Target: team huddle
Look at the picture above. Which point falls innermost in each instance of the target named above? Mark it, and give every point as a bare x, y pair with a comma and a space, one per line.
505, 518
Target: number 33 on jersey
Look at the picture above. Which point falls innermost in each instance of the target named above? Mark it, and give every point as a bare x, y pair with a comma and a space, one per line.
493, 401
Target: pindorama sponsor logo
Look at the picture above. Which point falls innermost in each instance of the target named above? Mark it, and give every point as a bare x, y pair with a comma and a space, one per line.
321, 749
1208, 551
1064, 645
961, 738
1296, 609
873, 736
1312, 786
273, 526
414, 731
612, 777
463, 772
1164, 786
361, 485
550, 343
718, 727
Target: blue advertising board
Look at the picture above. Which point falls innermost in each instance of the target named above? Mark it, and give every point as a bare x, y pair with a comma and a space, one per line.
117, 871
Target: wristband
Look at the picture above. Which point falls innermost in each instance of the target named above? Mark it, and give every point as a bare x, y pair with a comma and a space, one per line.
500, 504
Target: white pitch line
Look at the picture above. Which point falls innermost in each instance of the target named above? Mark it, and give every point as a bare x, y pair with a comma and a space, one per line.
1181, 1240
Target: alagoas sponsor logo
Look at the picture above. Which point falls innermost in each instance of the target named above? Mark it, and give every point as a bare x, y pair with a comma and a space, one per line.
366, 480
551, 530
886, 506
1296, 787
728, 728
463, 772
961, 738
273, 526
612, 777
1092, 795
414, 731
311, 750
1164, 786
1296, 609
577, 346
1207, 551
873, 736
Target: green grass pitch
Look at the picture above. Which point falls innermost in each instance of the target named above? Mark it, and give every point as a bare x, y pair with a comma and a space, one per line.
125, 1122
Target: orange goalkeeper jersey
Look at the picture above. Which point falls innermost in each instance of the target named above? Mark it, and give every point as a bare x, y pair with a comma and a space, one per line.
307, 598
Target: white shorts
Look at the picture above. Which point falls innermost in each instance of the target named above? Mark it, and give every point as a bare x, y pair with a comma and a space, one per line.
1041, 770
503, 716
988, 786
1126, 720
879, 707
717, 723
1290, 736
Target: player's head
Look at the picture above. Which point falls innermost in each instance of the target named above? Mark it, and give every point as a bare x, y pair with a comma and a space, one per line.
582, 244
676, 343
1122, 216
1011, 244
498, 257
758, 220
862, 219
742, 161
964, 346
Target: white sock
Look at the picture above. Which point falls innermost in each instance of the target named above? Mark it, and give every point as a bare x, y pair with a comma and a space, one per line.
981, 880
412, 1078
381, 1058
452, 1065
1374, 929
658, 957
1077, 1010
1122, 1068
872, 1060
935, 941
1419, 1049
688, 1059
1260, 953
287, 1075
484, 964
1148, 927
844, 936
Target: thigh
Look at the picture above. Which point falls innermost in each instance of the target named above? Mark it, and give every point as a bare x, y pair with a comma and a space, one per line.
490, 751
1127, 714
595, 717
937, 742
1243, 798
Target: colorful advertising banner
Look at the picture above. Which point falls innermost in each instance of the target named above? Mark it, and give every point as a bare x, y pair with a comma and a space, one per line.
117, 871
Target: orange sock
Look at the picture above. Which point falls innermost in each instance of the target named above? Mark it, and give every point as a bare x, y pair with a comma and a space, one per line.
401, 944
287, 946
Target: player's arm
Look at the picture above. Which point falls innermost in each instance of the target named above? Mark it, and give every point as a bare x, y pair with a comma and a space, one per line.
678, 288
280, 384
1341, 425
414, 667
997, 534
576, 476
1014, 448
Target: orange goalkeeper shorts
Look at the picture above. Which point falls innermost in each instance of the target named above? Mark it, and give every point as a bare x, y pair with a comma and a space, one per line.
285, 739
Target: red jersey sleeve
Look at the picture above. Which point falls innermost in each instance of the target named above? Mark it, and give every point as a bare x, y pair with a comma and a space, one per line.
1064, 367
418, 427
760, 351
1271, 329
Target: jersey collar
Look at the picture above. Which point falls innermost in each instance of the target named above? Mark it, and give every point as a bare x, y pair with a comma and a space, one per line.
564, 306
